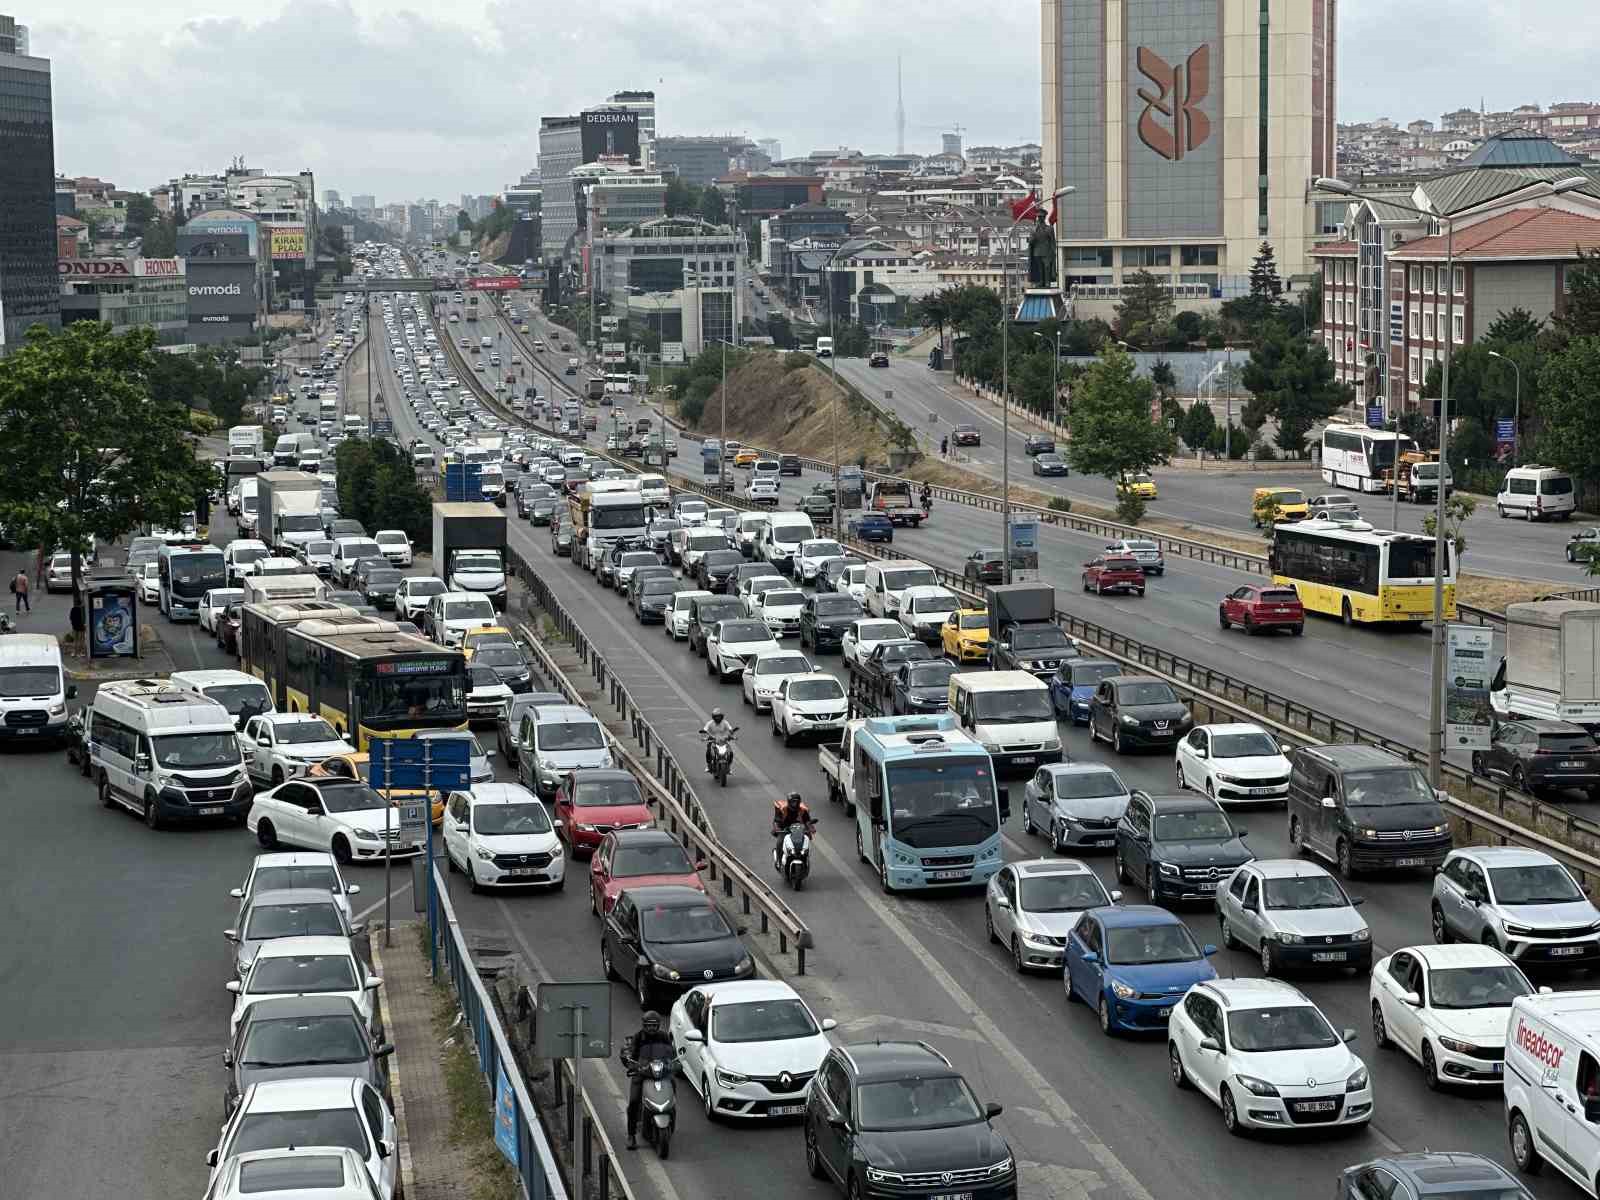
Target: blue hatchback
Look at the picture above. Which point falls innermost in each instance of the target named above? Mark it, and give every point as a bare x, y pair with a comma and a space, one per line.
1074, 683
1133, 964
872, 527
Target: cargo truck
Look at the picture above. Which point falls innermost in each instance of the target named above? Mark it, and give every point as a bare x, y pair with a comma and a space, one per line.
288, 509
246, 441
604, 512
1417, 476
469, 549
1023, 634
1551, 669
893, 498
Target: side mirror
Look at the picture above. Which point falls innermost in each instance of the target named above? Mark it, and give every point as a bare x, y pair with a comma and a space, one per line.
1208, 950
383, 1050
1328, 802
231, 934
1349, 1036
234, 985
490, 753
72, 691
829, 1023
263, 740
357, 929
212, 1157
836, 1121
1211, 1044
1116, 895
237, 893
374, 982
1002, 902
1005, 804
141, 763
227, 1058
694, 1035
1412, 999
385, 1148
352, 889
1545, 990
1090, 957
992, 1110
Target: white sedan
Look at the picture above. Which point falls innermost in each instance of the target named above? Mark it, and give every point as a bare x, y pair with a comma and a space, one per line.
297, 966
852, 582
866, 633
1446, 1007
764, 676
752, 587
214, 603
732, 643
342, 816
749, 1047
279, 1114
813, 555
812, 706
1233, 764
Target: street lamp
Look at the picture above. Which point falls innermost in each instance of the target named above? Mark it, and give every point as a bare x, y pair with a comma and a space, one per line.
1540, 189
1516, 425
1005, 391
833, 371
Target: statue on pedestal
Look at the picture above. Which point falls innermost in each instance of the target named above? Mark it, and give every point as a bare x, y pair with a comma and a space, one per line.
1042, 255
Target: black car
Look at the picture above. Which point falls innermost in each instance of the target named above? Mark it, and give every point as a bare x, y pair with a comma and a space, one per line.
1136, 711
889, 1119
561, 538
653, 598
302, 1037
825, 618
716, 569
1038, 443
705, 614
345, 527
984, 566
377, 581
1038, 648
1535, 756
657, 570
507, 662
921, 687
878, 359
1050, 464
666, 939
788, 464
352, 599
1178, 847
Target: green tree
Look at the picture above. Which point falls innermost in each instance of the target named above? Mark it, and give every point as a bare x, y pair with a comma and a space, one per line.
1309, 308
379, 488
87, 448
1568, 384
933, 309
160, 238
1199, 424
682, 198
1084, 337
713, 208
463, 222
1112, 433
1292, 379
1580, 316
1458, 507
1146, 308
1266, 285
1514, 325
1164, 379
141, 211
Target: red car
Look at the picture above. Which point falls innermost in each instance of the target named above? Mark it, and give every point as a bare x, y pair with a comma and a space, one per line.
630, 858
1258, 606
1113, 573
966, 435
590, 804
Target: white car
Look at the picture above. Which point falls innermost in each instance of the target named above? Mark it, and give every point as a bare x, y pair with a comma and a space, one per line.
762, 491
1030, 908
296, 966
486, 693
240, 556
412, 596
340, 1172
214, 603
779, 610
1233, 764
297, 869
731, 1037
732, 644
1267, 1057
280, 1114
852, 582
813, 555
1446, 1006
924, 610
279, 746
396, 546
812, 706
677, 620
866, 633
751, 588
451, 615
342, 816
500, 833
149, 581
761, 681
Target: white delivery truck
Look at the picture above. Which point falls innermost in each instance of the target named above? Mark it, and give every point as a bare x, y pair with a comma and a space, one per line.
1551, 669
246, 441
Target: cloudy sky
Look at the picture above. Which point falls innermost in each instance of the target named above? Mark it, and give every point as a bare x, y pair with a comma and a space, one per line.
405, 100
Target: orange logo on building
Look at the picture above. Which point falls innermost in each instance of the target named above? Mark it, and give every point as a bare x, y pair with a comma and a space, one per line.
1170, 124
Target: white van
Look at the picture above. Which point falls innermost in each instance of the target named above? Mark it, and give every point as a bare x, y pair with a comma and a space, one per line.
286, 450
653, 490
1552, 1084
1537, 494
166, 754
242, 695
780, 540
887, 579
33, 696
1011, 713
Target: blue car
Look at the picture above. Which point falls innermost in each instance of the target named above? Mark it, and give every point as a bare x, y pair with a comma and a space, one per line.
872, 527
1133, 964
1074, 683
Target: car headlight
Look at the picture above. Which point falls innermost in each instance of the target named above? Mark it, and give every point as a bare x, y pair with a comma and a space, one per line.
744, 966
1167, 868
1369, 833
1052, 743
661, 972
1004, 1167
876, 1176
1122, 991
904, 860
1357, 1081
1441, 829
1127, 720
1290, 939
1361, 935
581, 828
992, 747
1256, 1087
1455, 1045
730, 1079
482, 853
58, 710
1517, 930
991, 852
366, 835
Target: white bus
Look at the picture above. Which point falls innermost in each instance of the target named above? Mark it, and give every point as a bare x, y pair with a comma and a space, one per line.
618, 383
1356, 457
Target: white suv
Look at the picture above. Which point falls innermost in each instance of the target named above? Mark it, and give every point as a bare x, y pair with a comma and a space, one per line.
499, 833
1267, 1056
396, 546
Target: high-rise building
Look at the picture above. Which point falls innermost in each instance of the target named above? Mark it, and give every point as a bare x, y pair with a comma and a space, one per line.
643, 103
1190, 130
699, 160
771, 147
950, 143
29, 293
331, 199
560, 149
363, 204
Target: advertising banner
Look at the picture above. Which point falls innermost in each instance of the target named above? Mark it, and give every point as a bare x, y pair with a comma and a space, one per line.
289, 242
614, 347
158, 268
1469, 666
1024, 548
494, 283
1374, 416
113, 626
221, 288
609, 324
609, 131
70, 269
505, 1117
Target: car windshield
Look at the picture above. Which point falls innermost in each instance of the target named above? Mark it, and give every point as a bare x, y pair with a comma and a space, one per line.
717, 610
1038, 639
783, 664
1087, 785
917, 1102
475, 609
352, 796
657, 858
1192, 825
393, 538
495, 655
642, 558
1062, 893
192, 751
315, 549
673, 925
297, 974
314, 1127
742, 631
1536, 883
1269, 1030
384, 577
941, 603
606, 793
299, 733
1304, 891
780, 598
1147, 693
975, 621
269, 879
1019, 706
658, 587
475, 560
816, 689
570, 735
1088, 674
775, 1020
293, 920
495, 820
1394, 785
880, 631
481, 675
821, 549
1488, 986
1243, 745
248, 554
30, 681
706, 541
1141, 945
933, 674
303, 1041
940, 804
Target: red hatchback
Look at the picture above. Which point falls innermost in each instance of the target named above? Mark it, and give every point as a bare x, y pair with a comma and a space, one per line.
590, 804
629, 858
1257, 606
1113, 573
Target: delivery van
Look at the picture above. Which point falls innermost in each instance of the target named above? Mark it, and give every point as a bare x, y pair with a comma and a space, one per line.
1011, 713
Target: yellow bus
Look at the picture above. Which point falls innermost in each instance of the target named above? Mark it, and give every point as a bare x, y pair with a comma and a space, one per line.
262, 627
1350, 570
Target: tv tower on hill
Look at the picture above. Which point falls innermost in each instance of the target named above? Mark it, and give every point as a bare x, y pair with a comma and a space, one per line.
899, 108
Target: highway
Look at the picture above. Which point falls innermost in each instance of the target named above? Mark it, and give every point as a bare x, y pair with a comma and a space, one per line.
1086, 1117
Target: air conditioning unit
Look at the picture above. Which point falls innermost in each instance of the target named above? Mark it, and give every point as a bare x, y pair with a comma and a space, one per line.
1397, 238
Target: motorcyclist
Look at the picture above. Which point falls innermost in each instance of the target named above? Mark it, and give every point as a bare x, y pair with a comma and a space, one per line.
927, 498
651, 1042
716, 732
789, 811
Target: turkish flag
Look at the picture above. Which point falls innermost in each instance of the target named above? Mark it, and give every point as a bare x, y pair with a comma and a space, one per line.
1055, 208
1024, 208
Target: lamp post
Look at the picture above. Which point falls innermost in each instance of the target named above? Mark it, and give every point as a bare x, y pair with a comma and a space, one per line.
1540, 189
1055, 384
1005, 390
833, 372
1516, 421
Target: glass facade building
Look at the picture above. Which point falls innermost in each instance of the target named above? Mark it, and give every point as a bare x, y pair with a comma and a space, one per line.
29, 293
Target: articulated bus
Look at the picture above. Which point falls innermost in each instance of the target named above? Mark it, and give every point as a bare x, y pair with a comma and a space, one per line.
1350, 570
1356, 457
264, 624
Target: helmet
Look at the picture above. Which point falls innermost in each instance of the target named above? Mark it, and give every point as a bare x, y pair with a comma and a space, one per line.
652, 1021
716, 714
794, 798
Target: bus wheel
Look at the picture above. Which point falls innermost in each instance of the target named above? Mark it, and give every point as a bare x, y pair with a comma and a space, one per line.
1345, 614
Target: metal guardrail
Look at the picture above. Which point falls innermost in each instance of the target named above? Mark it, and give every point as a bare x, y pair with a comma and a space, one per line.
536, 1162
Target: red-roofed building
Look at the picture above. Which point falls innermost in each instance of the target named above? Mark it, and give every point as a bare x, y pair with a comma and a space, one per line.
71, 235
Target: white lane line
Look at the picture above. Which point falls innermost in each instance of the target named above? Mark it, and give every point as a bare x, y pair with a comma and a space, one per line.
398, 892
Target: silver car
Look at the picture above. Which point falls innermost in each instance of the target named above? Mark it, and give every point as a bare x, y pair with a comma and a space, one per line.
1030, 907
1293, 914
1074, 805
1522, 902
286, 912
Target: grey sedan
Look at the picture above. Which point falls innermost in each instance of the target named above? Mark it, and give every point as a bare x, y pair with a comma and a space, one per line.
286, 912
1293, 914
298, 1037
1074, 805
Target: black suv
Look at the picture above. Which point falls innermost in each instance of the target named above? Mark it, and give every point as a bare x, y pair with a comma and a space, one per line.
788, 464
895, 1118
1178, 847
825, 618
704, 615
1038, 443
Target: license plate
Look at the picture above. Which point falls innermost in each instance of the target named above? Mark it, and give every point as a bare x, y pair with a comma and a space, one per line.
211, 812
1565, 951
1328, 956
24, 732
786, 1110
949, 874
1409, 862
524, 871
1164, 1012
1317, 1105
1572, 766
1025, 760
952, 1196
1262, 791
1208, 886
1104, 841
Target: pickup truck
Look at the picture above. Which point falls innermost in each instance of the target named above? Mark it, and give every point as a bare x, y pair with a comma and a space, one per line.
837, 773
872, 678
280, 746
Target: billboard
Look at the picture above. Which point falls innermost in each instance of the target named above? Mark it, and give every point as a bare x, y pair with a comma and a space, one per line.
609, 131
289, 241
609, 324
672, 352
493, 283
221, 289
158, 268
1469, 665
74, 269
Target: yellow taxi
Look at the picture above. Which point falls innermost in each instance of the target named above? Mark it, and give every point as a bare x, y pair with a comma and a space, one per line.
746, 457
359, 766
965, 635
1288, 504
1142, 485
488, 635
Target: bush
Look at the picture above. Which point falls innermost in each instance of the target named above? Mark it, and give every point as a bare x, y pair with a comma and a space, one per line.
795, 361
691, 408
1060, 504
1265, 452
1130, 508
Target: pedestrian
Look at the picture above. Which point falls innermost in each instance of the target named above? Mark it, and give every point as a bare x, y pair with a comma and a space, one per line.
76, 619
19, 589
944, 447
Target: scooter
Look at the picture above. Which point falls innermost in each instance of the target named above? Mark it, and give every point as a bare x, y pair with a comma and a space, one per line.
658, 1101
792, 855
722, 756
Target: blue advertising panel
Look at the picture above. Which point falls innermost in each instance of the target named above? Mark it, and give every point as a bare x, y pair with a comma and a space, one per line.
1375, 416
505, 1116
438, 763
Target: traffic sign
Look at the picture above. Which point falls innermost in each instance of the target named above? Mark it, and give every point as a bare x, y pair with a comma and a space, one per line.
1505, 430
413, 822
1375, 416
435, 763
382, 427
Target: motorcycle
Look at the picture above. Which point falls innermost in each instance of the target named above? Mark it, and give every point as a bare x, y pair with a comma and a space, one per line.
658, 1102
792, 855
722, 756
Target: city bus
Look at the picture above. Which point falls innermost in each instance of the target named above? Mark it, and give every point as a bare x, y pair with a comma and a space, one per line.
188, 570
928, 814
618, 383
1349, 570
264, 622
1356, 457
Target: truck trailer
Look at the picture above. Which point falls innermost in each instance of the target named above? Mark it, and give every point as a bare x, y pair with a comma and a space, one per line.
1552, 664
288, 509
469, 549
